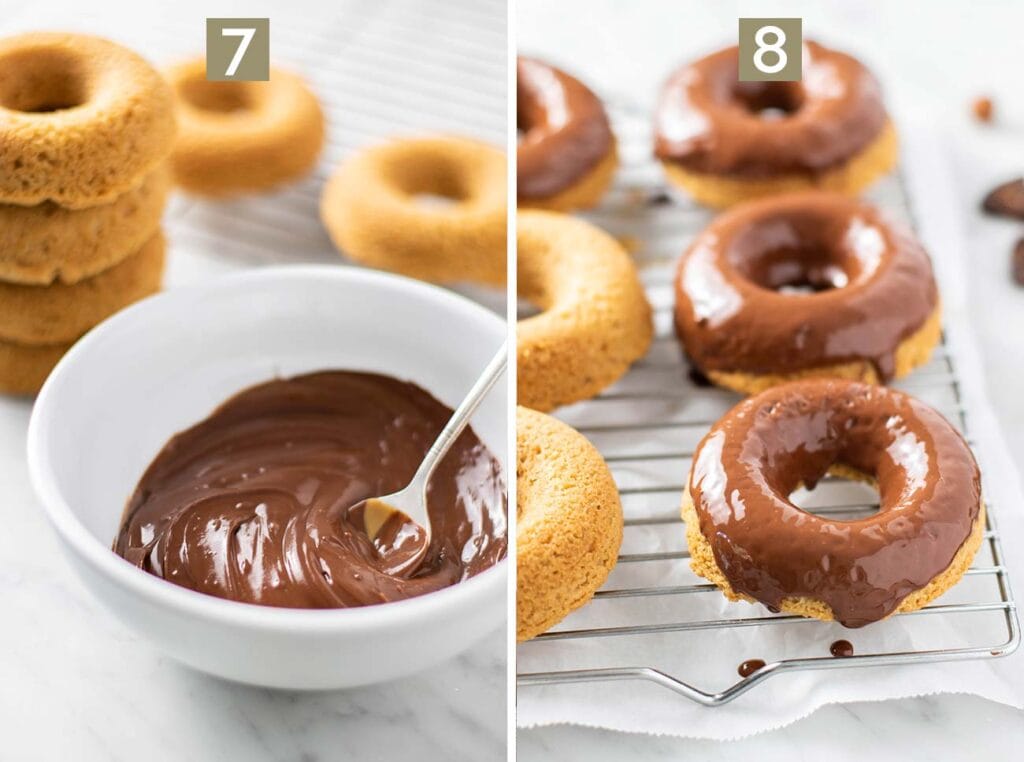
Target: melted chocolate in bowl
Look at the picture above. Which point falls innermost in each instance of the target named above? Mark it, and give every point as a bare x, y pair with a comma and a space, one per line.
256, 502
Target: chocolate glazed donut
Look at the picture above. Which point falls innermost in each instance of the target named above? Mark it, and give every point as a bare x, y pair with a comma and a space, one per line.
749, 538
805, 284
726, 141
709, 121
566, 154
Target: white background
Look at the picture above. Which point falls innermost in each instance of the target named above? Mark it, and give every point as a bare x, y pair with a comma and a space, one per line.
933, 58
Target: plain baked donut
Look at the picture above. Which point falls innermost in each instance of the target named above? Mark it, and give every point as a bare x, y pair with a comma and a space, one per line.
61, 312
568, 522
725, 141
594, 319
238, 137
566, 157
748, 538
46, 243
24, 368
805, 284
82, 120
372, 213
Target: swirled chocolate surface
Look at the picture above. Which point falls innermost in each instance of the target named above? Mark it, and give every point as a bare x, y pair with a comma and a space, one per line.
565, 130
752, 460
708, 121
801, 281
255, 503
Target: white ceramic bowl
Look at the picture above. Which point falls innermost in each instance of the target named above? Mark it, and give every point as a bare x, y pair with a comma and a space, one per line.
166, 363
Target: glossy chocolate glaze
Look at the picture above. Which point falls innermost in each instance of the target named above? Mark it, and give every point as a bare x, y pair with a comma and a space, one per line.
565, 130
769, 445
254, 503
708, 121
749, 667
801, 281
841, 649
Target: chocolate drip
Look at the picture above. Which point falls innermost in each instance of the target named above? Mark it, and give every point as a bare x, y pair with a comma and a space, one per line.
770, 550
841, 649
708, 121
801, 281
565, 130
749, 667
255, 503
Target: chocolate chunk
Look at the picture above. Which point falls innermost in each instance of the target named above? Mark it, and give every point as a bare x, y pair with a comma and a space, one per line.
1018, 262
1007, 200
982, 108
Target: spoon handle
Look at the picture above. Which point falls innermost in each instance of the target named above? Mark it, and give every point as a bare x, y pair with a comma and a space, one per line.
460, 418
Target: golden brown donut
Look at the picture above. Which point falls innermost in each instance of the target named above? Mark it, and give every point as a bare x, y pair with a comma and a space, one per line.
46, 243
371, 211
805, 284
82, 120
61, 313
594, 321
239, 137
24, 368
748, 538
568, 522
566, 157
726, 141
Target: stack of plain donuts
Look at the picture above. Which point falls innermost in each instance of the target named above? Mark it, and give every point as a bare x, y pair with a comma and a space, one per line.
85, 128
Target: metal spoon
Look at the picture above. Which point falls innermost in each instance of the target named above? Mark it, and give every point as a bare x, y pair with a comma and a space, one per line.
411, 500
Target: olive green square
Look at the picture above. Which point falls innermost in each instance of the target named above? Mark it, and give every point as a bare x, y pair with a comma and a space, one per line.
761, 52
226, 61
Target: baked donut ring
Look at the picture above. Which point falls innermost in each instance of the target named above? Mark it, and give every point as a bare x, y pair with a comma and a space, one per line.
24, 368
238, 137
805, 284
725, 141
82, 120
594, 321
46, 243
61, 313
566, 157
748, 538
372, 214
568, 522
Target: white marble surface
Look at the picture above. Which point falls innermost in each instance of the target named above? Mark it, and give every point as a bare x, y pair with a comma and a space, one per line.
74, 684
630, 46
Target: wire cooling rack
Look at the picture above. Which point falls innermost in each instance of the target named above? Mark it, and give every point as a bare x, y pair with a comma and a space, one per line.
646, 427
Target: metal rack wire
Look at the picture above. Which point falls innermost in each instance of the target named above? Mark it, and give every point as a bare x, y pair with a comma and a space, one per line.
647, 425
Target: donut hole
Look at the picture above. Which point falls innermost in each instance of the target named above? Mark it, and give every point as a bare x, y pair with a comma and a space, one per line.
838, 497
804, 254
800, 270
36, 81
434, 201
217, 97
433, 186
769, 100
841, 462
526, 309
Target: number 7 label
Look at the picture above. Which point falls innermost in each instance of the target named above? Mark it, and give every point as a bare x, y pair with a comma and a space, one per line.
237, 50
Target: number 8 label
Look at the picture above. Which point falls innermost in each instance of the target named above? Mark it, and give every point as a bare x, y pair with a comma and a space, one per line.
770, 50
770, 47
